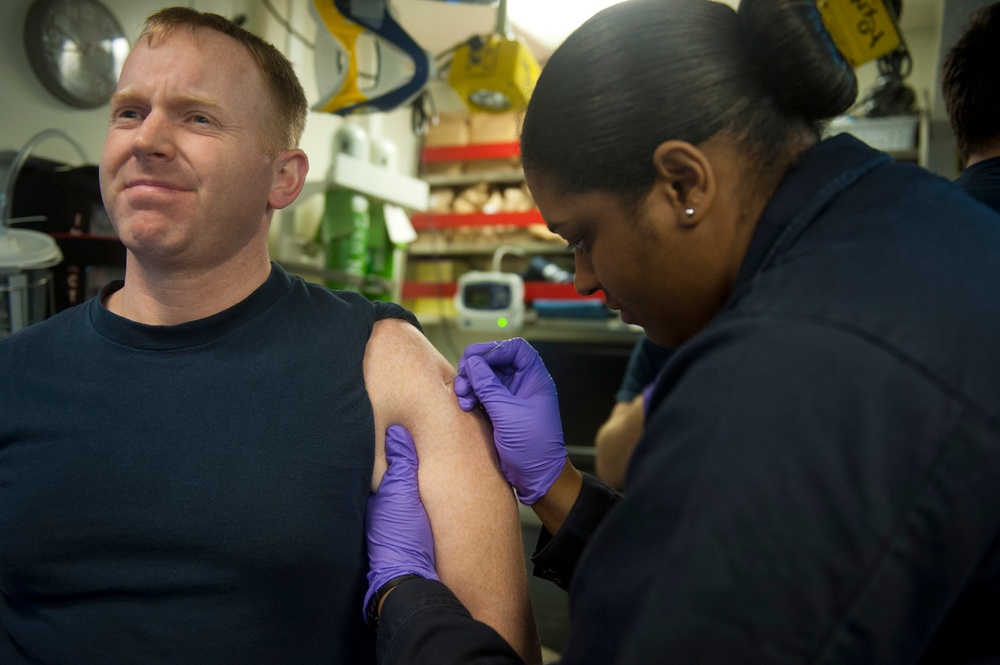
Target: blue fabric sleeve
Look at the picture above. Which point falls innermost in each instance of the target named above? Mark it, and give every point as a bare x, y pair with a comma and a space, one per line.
423, 623
556, 556
643, 366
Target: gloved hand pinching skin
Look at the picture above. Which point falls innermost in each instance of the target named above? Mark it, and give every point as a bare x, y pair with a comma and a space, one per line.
520, 398
399, 534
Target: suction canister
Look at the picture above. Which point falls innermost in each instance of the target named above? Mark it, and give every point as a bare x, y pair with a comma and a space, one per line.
26, 289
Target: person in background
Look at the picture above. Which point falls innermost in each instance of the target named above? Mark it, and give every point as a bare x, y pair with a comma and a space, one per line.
185, 460
972, 99
817, 479
616, 437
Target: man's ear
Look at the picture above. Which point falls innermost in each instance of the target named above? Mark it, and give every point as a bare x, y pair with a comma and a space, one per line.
292, 167
686, 178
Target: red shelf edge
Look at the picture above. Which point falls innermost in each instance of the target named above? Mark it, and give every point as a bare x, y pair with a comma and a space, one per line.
549, 290
473, 151
429, 289
425, 221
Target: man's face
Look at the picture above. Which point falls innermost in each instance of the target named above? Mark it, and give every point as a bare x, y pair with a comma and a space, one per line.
184, 175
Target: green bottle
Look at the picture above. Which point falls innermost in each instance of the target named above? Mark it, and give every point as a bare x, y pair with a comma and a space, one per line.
343, 233
380, 259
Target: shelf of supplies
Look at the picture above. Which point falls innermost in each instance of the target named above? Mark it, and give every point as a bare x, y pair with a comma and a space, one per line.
447, 249
427, 221
612, 330
512, 176
532, 290
371, 180
470, 152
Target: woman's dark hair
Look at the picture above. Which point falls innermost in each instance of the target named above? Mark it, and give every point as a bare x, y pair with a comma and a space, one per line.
646, 71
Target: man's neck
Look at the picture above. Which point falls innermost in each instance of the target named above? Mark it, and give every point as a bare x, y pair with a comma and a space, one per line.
157, 297
984, 152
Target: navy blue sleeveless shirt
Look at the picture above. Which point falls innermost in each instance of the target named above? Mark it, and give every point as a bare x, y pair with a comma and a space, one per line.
190, 493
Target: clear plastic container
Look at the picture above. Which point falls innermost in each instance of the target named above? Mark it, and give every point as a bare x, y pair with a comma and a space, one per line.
25, 279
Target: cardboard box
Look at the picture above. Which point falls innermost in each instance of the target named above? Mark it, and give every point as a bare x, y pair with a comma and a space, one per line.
452, 129
493, 127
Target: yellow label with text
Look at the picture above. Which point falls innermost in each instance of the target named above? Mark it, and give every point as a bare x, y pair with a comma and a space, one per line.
862, 29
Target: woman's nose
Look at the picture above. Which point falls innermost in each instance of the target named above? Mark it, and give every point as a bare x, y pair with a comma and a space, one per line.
584, 279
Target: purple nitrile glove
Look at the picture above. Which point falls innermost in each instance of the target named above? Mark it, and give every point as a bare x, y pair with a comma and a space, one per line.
520, 398
399, 534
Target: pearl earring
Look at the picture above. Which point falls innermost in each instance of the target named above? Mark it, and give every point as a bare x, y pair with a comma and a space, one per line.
689, 212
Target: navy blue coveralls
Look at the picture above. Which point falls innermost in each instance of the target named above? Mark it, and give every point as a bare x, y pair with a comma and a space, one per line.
819, 480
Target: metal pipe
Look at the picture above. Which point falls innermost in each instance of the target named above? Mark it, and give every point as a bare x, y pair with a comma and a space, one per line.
503, 26
14, 170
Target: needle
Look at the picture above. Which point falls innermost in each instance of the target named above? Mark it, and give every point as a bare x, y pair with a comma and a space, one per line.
499, 344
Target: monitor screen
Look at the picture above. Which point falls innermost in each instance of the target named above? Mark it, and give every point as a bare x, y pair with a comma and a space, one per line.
486, 296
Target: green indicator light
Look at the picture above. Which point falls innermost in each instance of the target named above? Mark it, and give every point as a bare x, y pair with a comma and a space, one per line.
502, 322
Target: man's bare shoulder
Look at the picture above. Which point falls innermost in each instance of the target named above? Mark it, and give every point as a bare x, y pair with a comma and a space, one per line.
399, 359
409, 384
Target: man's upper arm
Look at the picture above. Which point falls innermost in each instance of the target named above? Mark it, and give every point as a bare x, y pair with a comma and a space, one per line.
472, 510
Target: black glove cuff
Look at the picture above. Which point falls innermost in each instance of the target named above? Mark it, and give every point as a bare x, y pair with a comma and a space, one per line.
371, 612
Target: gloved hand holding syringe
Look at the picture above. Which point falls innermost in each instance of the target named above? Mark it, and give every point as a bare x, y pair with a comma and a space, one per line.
460, 371
519, 396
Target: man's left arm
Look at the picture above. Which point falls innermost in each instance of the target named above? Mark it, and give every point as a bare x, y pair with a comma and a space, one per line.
472, 510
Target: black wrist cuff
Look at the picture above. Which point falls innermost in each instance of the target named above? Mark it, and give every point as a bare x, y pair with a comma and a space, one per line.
371, 612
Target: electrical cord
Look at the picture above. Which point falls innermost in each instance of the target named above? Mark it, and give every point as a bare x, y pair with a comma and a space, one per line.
423, 113
475, 42
891, 96
286, 25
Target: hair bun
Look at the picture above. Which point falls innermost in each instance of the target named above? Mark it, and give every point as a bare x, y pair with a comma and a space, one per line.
794, 58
